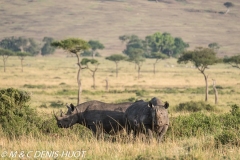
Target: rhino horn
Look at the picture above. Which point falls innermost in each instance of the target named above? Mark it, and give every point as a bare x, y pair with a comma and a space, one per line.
55, 116
61, 115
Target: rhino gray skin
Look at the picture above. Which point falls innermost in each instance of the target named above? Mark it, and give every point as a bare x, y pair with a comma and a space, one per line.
95, 115
145, 117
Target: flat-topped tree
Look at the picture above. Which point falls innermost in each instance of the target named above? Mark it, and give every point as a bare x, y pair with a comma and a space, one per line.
22, 56
95, 63
228, 5
116, 58
95, 45
215, 46
124, 38
234, 61
201, 58
134, 42
74, 46
5, 54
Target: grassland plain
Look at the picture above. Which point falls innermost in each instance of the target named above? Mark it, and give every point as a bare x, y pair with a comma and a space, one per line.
198, 22
52, 82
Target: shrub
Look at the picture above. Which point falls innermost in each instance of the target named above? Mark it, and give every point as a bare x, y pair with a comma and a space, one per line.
228, 137
195, 106
49, 127
16, 117
195, 124
235, 110
225, 128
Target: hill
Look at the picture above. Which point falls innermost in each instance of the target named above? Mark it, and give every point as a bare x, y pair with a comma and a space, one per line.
198, 22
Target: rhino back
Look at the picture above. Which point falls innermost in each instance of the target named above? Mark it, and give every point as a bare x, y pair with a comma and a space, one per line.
105, 113
140, 112
97, 105
111, 121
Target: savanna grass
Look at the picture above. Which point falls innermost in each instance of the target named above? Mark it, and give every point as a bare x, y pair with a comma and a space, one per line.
188, 85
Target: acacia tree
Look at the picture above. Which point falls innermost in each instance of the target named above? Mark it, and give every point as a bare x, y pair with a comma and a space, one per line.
214, 46
94, 45
10, 44
157, 56
159, 42
228, 5
5, 54
74, 46
201, 58
22, 56
95, 63
20, 44
234, 61
116, 58
136, 56
166, 44
124, 38
47, 48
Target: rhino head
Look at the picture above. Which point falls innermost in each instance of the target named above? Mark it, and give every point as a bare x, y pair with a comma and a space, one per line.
69, 119
159, 113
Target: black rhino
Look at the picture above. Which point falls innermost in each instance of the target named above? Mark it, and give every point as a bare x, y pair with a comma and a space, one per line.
95, 115
145, 117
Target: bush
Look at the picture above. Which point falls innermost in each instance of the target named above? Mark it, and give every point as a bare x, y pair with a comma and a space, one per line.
228, 137
225, 128
16, 117
195, 106
235, 110
195, 124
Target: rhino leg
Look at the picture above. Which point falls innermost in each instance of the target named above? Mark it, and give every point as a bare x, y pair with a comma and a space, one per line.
93, 128
163, 130
149, 133
96, 130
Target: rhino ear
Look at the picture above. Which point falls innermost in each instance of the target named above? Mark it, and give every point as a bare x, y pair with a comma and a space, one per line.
150, 104
166, 105
72, 107
68, 106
